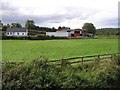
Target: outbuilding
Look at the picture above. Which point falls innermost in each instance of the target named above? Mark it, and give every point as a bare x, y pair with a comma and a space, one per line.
58, 34
75, 33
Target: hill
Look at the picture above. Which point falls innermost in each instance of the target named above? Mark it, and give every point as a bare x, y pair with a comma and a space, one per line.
107, 31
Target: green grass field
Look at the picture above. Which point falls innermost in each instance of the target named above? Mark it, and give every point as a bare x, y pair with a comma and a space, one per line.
27, 50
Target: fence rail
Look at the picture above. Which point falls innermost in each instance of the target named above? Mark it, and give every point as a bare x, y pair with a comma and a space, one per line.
86, 58
76, 59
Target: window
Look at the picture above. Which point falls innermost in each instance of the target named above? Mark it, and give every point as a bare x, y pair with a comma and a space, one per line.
22, 33
8, 33
17, 33
77, 32
72, 35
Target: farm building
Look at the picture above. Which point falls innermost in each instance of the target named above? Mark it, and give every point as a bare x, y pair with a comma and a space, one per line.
59, 33
69, 33
77, 33
17, 32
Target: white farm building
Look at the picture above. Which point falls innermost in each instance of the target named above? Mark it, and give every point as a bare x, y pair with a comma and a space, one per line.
17, 32
69, 33
58, 34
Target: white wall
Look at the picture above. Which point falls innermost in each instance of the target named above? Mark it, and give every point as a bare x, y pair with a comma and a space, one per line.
58, 34
72, 32
16, 33
50, 33
80, 32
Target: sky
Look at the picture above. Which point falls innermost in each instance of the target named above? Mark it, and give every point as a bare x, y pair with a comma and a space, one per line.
55, 13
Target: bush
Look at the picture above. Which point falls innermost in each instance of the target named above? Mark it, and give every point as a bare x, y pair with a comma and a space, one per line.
14, 37
53, 37
39, 37
117, 59
32, 37
44, 37
40, 74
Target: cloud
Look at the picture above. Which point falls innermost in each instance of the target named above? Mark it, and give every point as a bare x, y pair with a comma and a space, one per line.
7, 9
11, 14
105, 19
56, 13
111, 22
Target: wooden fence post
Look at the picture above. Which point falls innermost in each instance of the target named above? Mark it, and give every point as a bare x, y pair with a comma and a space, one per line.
98, 57
111, 56
82, 60
114, 55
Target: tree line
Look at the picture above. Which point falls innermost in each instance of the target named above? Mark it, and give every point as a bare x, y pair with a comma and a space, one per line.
30, 24
33, 29
108, 31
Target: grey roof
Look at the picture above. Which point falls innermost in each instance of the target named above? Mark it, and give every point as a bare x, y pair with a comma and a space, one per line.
22, 29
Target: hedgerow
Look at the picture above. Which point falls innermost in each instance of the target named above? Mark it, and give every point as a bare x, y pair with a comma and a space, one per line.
40, 74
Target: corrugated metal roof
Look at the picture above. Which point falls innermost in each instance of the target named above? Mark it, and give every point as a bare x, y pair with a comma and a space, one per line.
78, 29
22, 29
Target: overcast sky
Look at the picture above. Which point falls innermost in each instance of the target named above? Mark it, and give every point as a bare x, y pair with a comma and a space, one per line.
54, 13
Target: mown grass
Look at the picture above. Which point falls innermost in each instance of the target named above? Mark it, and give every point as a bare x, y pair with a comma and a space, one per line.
27, 50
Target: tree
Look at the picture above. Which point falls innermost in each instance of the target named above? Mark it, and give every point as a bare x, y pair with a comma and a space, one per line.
53, 29
1, 25
89, 27
15, 25
4, 27
8, 25
30, 24
63, 27
59, 27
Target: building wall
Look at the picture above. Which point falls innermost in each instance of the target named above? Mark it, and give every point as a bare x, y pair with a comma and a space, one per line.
16, 33
71, 33
58, 34
80, 32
